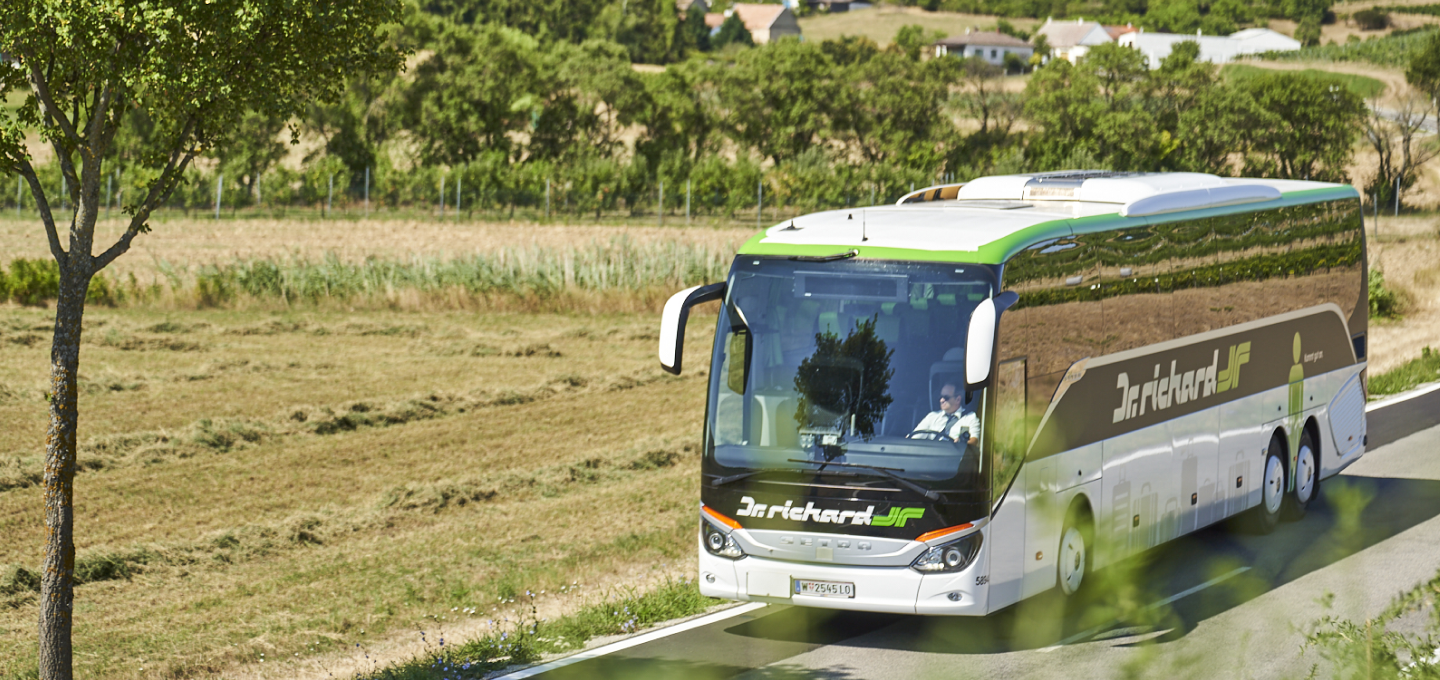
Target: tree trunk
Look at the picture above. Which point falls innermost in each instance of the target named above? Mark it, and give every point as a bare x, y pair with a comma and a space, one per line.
57, 588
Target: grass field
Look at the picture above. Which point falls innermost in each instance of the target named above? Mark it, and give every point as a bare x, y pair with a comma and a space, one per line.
881, 23
1364, 86
271, 484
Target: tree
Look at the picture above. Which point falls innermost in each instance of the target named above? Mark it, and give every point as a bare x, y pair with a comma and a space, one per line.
1304, 126
732, 31
1393, 134
1423, 72
479, 85
779, 100
694, 34
193, 68
912, 39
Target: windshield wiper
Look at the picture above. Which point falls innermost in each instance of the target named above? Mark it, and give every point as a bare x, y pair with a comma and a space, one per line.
825, 258
887, 472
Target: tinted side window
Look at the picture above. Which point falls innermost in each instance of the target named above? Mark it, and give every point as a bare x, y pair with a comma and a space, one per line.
1135, 288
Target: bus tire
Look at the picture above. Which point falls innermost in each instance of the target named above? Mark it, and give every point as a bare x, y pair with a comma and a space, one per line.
1266, 516
1074, 560
1307, 478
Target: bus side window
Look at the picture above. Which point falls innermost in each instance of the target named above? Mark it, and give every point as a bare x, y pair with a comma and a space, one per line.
1134, 285
1012, 431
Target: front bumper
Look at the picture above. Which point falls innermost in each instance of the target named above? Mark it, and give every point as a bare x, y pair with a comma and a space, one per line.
898, 590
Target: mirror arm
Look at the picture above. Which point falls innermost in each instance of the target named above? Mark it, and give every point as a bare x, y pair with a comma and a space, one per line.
672, 322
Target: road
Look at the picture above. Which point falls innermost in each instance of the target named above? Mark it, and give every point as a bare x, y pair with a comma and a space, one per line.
1218, 602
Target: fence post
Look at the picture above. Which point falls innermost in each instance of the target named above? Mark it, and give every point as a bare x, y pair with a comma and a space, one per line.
330, 196
547, 198
759, 201
687, 201
219, 193
872, 193
1397, 195
660, 213
457, 196
367, 191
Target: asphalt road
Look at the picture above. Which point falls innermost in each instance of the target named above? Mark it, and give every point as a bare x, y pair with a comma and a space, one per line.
1217, 603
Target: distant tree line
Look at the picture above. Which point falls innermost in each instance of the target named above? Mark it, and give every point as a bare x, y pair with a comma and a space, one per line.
549, 110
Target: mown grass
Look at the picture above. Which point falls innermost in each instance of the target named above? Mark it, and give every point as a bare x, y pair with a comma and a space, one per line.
298, 482
1407, 376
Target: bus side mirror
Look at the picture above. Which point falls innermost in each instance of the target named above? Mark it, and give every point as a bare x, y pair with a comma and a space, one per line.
980, 340
672, 322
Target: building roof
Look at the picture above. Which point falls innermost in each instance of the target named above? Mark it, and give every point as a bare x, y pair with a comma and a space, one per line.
714, 19
1065, 34
1117, 31
990, 218
758, 17
1214, 49
986, 38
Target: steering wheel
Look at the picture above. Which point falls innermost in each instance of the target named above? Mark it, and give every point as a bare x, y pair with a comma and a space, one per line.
929, 435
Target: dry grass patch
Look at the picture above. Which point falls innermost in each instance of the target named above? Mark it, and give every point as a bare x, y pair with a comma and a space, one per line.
308, 476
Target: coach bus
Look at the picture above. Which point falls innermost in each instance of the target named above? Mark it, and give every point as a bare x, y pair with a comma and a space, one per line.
992, 389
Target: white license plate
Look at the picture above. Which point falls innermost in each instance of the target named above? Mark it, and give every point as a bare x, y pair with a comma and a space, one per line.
824, 588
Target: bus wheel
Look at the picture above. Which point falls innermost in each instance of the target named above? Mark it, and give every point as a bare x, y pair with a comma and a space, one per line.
1265, 517
1074, 557
1307, 479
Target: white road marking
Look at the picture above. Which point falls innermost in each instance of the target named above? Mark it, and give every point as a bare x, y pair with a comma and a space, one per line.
634, 641
1402, 397
1092, 632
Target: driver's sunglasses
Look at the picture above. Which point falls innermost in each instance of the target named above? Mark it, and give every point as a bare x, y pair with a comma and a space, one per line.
947, 397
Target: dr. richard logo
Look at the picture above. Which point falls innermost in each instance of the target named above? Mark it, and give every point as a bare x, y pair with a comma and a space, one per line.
897, 517
1162, 392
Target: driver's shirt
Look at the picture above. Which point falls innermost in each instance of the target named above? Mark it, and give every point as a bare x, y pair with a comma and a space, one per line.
963, 421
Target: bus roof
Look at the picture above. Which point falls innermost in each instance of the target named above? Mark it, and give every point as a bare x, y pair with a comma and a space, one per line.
989, 219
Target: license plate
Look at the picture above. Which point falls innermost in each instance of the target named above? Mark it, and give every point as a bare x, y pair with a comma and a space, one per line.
825, 588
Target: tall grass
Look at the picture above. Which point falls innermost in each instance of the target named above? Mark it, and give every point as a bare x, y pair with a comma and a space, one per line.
620, 266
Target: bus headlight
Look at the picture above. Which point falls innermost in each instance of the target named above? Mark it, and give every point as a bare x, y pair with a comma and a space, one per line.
718, 543
949, 557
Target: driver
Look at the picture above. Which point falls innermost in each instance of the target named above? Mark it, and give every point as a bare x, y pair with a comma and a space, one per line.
953, 425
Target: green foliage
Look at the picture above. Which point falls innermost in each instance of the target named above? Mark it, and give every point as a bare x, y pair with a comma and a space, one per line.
1385, 303
1307, 31
1424, 10
625, 612
1371, 19
1400, 642
913, 39
1393, 50
1364, 87
1407, 376
732, 32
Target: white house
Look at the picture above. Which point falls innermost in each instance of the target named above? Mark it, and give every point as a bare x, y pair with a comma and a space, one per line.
992, 46
1071, 40
1214, 49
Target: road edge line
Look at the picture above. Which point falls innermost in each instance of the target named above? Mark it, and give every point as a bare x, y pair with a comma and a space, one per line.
1405, 396
627, 643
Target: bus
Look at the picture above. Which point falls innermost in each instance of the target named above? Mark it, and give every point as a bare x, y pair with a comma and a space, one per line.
992, 389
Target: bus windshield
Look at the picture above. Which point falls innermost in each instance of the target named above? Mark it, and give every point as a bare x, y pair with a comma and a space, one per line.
853, 364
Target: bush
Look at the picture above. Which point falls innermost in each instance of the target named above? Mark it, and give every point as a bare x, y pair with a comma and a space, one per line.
1384, 302
1371, 19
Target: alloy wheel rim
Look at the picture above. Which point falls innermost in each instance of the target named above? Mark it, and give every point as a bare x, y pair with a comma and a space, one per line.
1274, 488
1305, 482
1072, 560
